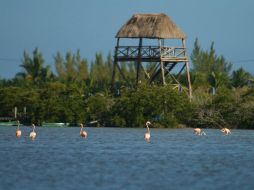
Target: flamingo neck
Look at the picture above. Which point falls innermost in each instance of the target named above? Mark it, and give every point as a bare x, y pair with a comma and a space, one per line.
148, 130
33, 128
18, 125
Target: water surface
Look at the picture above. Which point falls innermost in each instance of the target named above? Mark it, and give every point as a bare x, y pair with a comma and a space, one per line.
119, 158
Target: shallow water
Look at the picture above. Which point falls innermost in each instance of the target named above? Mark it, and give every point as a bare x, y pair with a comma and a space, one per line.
119, 158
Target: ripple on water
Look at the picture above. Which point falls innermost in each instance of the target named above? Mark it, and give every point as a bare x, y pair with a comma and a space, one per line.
117, 158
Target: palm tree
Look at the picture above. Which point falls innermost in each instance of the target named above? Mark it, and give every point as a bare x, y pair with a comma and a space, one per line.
33, 67
217, 79
240, 78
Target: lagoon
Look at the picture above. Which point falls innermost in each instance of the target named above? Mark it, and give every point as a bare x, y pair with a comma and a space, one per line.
119, 158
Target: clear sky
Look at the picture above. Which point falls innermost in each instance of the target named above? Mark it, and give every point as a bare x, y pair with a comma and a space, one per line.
90, 25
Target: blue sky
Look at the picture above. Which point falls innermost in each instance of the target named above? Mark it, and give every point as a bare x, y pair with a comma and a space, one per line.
90, 25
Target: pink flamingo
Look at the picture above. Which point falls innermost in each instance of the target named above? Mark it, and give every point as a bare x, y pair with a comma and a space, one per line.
147, 135
226, 131
18, 131
82, 133
32, 133
198, 131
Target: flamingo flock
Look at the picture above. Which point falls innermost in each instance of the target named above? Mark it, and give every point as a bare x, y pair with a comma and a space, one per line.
198, 131
147, 135
32, 134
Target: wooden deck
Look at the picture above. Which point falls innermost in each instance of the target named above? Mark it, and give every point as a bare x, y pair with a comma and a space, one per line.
151, 54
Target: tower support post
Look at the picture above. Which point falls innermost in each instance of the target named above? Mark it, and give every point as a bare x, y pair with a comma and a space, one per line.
114, 64
139, 60
187, 70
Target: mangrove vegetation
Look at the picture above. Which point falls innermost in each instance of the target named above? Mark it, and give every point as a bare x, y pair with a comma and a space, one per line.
79, 91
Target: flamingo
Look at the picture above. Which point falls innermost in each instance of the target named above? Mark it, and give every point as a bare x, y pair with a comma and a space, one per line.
18, 131
82, 133
147, 135
226, 131
32, 133
198, 131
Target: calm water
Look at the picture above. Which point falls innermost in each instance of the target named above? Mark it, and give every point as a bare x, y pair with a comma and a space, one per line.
120, 159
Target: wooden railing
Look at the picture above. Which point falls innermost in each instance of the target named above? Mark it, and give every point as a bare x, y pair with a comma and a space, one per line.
7, 118
153, 53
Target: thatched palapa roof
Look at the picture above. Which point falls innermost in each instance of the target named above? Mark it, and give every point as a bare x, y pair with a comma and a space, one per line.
150, 26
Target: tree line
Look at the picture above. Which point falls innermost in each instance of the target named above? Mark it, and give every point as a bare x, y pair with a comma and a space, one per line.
79, 91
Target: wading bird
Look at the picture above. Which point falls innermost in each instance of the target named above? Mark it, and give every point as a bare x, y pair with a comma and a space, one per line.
18, 131
198, 131
82, 133
226, 131
147, 135
32, 133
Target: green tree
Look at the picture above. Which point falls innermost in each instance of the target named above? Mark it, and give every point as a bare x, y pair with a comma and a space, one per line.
33, 68
218, 79
72, 68
98, 108
165, 106
100, 73
208, 61
240, 78
209, 69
